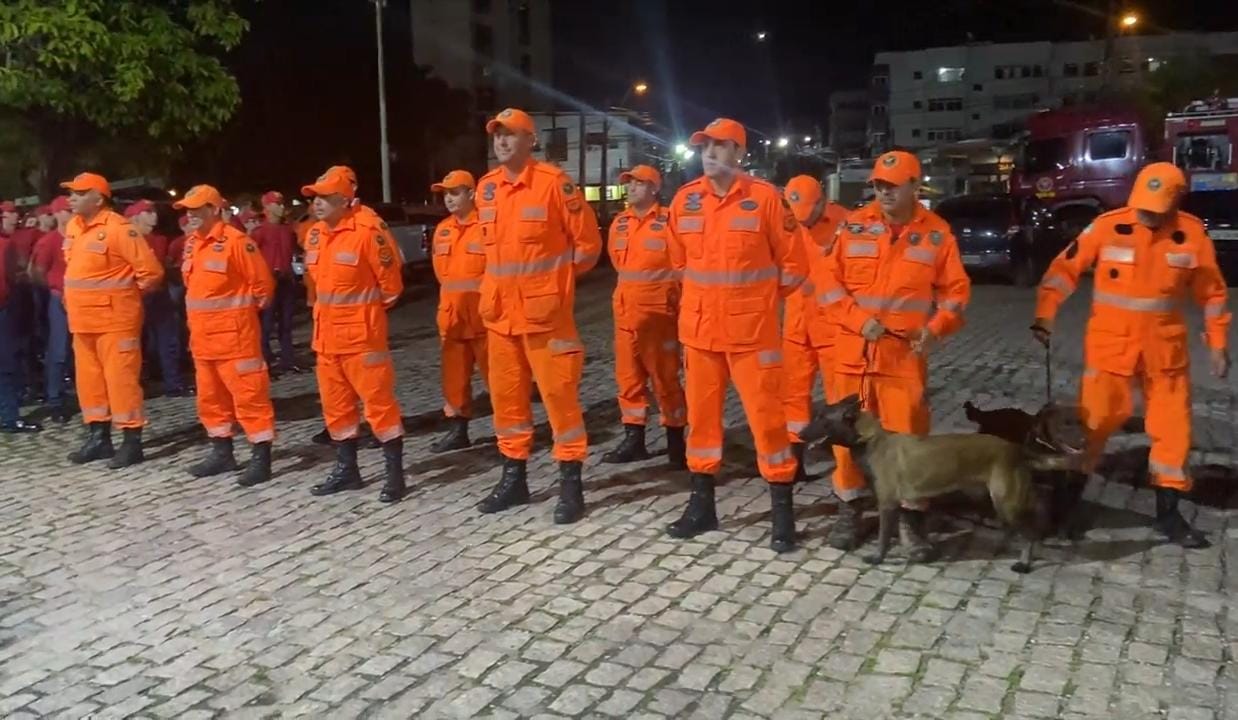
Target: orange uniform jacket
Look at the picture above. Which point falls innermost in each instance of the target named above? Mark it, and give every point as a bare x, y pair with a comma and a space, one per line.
802, 321
908, 283
1142, 277
639, 251
459, 262
107, 266
226, 281
737, 255
356, 278
547, 236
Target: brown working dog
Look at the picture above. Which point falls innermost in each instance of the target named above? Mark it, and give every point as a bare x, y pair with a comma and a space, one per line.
908, 468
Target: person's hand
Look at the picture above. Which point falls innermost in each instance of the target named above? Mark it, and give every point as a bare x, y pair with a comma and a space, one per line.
872, 330
1042, 330
1220, 363
922, 341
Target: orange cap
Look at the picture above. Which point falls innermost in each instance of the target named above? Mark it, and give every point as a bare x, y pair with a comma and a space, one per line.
512, 119
643, 173
200, 196
337, 180
803, 192
1157, 188
721, 129
896, 167
88, 181
455, 179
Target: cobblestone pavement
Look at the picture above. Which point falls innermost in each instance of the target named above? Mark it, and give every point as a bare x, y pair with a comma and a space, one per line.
145, 593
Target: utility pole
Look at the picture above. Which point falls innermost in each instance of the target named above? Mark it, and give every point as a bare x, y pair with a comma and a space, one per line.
384, 148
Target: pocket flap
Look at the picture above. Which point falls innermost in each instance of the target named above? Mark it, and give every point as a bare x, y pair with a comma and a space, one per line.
690, 224
748, 223
1118, 254
922, 255
347, 258
534, 213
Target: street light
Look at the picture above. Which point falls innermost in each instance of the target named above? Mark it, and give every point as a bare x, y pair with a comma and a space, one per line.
640, 88
807, 138
761, 35
783, 142
680, 149
686, 154
382, 101
1129, 20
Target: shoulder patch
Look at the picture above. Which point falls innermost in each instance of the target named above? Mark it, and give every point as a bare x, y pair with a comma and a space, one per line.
935, 237
1123, 229
445, 232
749, 205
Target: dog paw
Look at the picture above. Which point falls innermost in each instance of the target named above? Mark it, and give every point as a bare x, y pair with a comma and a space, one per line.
1021, 567
873, 559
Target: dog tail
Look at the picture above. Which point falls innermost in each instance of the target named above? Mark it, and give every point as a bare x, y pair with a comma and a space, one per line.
1043, 462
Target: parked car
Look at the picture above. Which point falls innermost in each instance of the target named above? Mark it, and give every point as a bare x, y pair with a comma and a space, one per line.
413, 229
998, 236
1219, 211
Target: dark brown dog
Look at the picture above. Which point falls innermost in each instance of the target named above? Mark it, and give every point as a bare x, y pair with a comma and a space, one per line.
908, 468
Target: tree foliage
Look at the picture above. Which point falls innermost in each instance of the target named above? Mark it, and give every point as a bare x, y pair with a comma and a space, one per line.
147, 70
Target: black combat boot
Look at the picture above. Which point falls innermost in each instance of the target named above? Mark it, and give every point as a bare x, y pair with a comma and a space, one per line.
571, 505
913, 535
219, 460
511, 491
1170, 523
782, 518
322, 437
701, 514
393, 460
98, 445
345, 475
797, 449
845, 532
130, 450
631, 448
456, 438
259, 469
676, 449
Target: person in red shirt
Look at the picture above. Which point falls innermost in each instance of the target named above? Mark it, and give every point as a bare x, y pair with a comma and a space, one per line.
10, 387
160, 332
21, 302
276, 240
47, 272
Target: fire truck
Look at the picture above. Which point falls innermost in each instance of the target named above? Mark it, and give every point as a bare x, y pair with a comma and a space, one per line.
1201, 140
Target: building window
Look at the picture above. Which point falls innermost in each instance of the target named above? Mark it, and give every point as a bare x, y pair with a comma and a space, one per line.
880, 81
917, 75
526, 65
915, 132
1091, 69
522, 23
945, 134
1038, 71
879, 110
945, 104
1108, 145
1020, 101
1070, 70
949, 74
1006, 130
483, 40
977, 88
554, 141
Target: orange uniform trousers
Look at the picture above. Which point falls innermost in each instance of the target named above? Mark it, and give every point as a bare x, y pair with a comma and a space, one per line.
109, 385
898, 402
459, 357
802, 363
1106, 400
758, 378
649, 353
365, 377
235, 391
515, 362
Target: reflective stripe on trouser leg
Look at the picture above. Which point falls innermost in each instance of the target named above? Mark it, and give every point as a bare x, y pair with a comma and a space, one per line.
89, 378
658, 341
1168, 424
339, 400
372, 376
457, 376
758, 378
214, 402
630, 378
510, 386
249, 386
121, 354
557, 367
705, 377
799, 362
1105, 402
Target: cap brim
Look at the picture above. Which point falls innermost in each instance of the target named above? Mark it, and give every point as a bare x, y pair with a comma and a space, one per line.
700, 137
188, 205
493, 125
312, 190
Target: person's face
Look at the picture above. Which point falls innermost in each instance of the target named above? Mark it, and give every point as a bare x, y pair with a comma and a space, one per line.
201, 218
8, 222
226, 213
329, 207
47, 222
720, 158
275, 211
85, 202
458, 200
640, 193
895, 199
252, 224
63, 217
30, 222
146, 221
512, 146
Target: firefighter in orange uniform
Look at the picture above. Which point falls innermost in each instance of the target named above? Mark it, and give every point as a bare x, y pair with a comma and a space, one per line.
646, 305
807, 337
737, 245
226, 283
459, 261
539, 235
1150, 259
357, 279
107, 268
896, 285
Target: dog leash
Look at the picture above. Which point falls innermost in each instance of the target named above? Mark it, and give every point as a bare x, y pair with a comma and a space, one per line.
1049, 371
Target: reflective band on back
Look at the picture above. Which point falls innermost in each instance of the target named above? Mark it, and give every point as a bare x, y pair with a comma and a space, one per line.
360, 298
516, 269
1135, 303
861, 248
646, 275
723, 277
226, 303
103, 284
1116, 254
